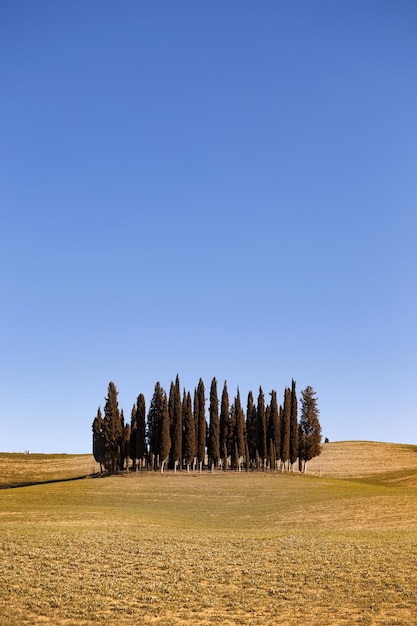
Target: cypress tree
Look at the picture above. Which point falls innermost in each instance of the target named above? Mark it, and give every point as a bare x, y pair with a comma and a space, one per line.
251, 428
293, 426
274, 426
214, 427
239, 427
201, 424
133, 437
126, 446
98, 439
189, 448
309, 427
165, 433
112, 430
285, 428
175, 413
137, 445
122, 449
158, 426
231, 435
262, 425
196, 422
224, 425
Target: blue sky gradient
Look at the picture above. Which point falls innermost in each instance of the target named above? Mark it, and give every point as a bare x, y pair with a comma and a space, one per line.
211, 189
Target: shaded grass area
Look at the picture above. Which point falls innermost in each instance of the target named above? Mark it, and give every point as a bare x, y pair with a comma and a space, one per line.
208, 549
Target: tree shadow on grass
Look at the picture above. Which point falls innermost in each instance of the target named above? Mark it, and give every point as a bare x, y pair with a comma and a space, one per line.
47, 482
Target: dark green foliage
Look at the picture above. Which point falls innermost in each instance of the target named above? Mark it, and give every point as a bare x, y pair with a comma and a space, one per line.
252, 430
214, 426
274, 426
137, 446
158, 426
165, 432
189, 447
125, 453
224, 424
285, 427
262, 426
112, 431
141, 426
133, 435
200, 412
98, 439
309, 427
176, 431
239, 426
175, 418
293, 426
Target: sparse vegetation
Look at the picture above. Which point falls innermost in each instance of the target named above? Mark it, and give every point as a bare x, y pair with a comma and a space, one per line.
185, 549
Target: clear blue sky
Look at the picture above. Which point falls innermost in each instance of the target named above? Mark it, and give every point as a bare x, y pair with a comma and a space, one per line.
223, 188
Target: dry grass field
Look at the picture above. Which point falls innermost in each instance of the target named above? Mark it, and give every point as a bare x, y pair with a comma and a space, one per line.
17, 469
223, 548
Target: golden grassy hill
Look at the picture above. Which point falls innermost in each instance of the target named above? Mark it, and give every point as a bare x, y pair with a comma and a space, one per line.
383, 462
364, 460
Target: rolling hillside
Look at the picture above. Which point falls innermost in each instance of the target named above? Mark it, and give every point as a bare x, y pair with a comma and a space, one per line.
364, 460
382, 462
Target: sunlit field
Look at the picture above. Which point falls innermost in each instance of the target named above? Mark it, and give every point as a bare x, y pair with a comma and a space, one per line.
222, 548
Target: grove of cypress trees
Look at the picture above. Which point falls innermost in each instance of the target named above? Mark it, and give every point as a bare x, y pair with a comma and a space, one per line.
176, 431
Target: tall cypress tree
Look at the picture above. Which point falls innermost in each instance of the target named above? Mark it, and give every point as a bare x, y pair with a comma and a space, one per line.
133, 437
189, 447
293, 426
98, 439
251, 429
112, 430
274, 429
175, 413
158, 426
239, 427
309, 427
214, 427
224, 425
126, 445
165, 433
137, 445
201, 423
123, 452
262, 425
285, 427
